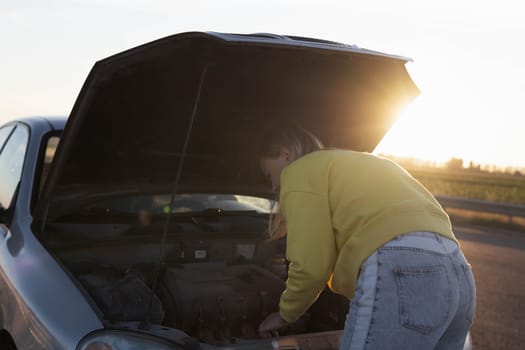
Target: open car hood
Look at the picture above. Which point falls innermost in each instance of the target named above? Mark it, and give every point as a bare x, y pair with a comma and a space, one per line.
210, 94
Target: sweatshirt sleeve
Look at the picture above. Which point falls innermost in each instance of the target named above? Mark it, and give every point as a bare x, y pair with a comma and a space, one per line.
310, 249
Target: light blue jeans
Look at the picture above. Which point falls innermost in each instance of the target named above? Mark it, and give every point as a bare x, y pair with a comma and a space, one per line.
415, 292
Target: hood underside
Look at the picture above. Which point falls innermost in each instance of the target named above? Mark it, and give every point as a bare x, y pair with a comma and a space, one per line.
130, 123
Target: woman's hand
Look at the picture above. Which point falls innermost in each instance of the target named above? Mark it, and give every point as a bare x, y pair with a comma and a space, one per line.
273, 322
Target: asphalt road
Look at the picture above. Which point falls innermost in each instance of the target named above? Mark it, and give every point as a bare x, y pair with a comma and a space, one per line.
498, 261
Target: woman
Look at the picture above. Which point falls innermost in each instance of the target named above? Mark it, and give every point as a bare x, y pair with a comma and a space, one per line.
364, 226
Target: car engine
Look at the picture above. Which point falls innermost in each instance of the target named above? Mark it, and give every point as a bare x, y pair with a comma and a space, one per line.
218, 277
214, 300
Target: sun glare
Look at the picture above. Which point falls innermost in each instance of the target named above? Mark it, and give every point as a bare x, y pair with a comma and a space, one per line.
430, 130
459, 118
417, 133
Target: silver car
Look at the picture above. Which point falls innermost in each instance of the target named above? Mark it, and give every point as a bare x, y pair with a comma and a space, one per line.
140, 223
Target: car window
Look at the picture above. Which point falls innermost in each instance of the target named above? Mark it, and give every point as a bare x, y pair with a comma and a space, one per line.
4, 134
11, 162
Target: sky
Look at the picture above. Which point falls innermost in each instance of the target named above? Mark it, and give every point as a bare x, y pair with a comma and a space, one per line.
468, 58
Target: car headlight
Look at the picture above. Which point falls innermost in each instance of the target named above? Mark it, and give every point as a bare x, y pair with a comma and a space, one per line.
123, 340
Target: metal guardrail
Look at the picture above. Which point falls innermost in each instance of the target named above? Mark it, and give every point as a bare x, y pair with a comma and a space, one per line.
510, 210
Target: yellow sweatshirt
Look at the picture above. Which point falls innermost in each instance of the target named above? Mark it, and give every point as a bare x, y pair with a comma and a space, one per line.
340, 206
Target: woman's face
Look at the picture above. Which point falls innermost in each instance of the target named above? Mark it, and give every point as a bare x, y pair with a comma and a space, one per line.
272, 167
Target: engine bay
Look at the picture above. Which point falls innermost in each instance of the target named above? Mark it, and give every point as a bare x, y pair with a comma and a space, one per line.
209, 272
216, 290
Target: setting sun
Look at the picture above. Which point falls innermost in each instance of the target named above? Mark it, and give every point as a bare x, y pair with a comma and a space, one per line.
419, 132
450, 121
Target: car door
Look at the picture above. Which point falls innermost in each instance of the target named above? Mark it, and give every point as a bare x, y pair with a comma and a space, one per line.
39, 303
13, 146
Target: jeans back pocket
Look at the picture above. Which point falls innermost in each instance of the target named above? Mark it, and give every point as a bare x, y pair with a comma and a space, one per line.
424, 297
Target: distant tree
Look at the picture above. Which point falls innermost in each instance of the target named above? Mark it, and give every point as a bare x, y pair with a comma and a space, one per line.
454, 164
474, 167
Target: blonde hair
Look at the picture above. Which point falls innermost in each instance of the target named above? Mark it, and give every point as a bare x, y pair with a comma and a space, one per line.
299, 142
296, 139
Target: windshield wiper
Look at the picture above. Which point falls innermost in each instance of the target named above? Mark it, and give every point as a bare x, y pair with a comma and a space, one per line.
216, 212
212, 214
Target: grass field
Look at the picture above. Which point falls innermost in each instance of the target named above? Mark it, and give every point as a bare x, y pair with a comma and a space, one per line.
476, 185
473, 184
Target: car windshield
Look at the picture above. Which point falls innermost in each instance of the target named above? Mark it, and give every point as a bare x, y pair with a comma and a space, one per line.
183, 203
145, 216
